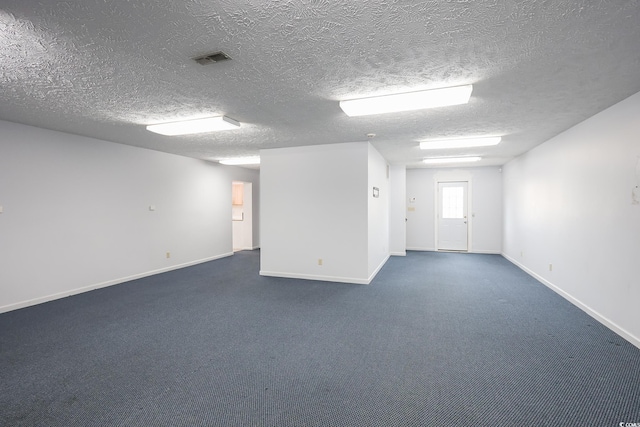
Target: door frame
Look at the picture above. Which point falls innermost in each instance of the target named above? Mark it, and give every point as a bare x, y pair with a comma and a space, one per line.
454, 176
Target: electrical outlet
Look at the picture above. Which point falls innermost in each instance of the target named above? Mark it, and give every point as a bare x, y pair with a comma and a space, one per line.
319, 261
168, 254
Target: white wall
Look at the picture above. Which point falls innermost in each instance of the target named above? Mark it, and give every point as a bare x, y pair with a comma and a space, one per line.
485, 222
569, 203
77, 213
315, 205
397, 210
378, 208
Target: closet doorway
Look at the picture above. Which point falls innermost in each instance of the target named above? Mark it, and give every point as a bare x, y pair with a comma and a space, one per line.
242, 215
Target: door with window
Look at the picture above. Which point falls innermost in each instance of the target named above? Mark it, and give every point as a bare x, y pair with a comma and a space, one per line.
453, 227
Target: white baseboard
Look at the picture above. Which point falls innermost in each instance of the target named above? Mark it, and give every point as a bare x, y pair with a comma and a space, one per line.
403, 253
251, 248
337, 279
419, 248
314, 277
591, 312
473, 251
51, 297
378, 268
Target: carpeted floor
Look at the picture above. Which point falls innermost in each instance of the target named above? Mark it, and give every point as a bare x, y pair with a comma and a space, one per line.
438, 339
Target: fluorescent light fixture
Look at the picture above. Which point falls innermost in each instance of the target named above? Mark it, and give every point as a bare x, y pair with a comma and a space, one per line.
407, 101
442, 160
185, 127
241, 161
460, 143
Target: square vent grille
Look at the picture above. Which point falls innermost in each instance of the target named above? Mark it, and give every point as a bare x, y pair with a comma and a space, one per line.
211, 58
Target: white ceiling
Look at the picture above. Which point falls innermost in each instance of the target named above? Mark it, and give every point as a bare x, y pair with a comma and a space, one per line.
105, 69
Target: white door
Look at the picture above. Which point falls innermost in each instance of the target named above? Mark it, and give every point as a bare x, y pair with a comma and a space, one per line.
452, 216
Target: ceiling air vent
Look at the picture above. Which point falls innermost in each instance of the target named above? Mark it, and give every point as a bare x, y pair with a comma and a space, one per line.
211, 58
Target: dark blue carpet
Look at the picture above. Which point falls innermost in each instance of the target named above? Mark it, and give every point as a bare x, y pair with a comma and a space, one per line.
437, 339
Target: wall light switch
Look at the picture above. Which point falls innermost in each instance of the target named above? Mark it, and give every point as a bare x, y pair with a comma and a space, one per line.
152, 207
1, 209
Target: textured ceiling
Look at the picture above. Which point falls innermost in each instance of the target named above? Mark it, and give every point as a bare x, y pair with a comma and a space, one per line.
105, 69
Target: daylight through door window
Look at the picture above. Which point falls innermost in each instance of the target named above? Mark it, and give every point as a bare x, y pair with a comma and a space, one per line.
452, 202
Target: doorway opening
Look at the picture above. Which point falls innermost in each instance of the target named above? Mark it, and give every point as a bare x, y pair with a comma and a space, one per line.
242, 215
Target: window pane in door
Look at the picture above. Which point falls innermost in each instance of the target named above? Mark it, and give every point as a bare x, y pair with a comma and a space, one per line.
237, 193
452, 202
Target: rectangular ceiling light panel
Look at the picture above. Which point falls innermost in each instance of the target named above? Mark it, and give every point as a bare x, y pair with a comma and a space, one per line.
443, 160
186, 127
241, 161
460, 143
407, 101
